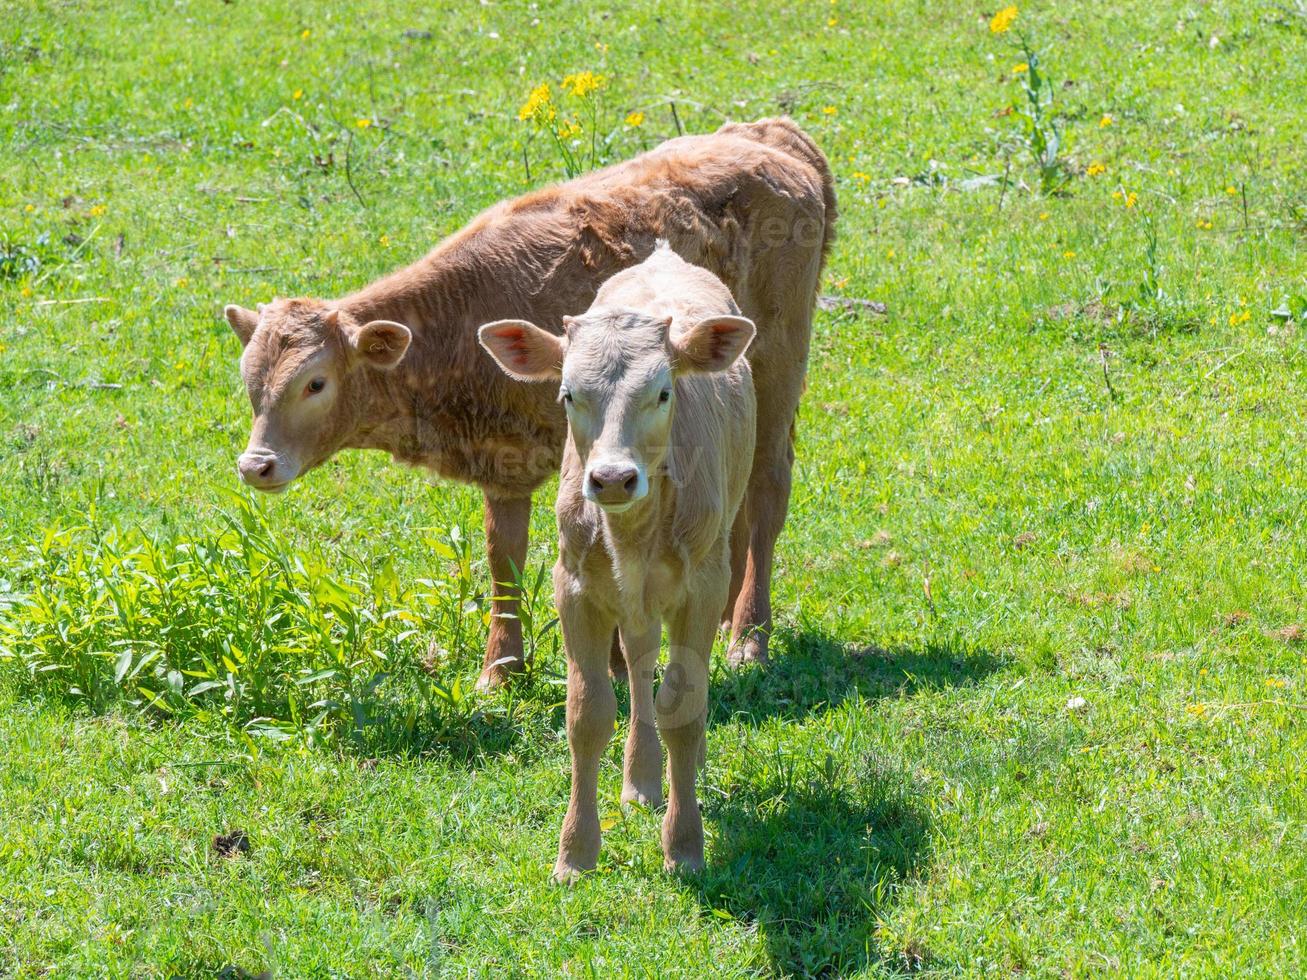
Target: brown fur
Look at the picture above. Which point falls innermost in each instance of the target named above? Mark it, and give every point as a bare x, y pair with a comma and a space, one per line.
753, 203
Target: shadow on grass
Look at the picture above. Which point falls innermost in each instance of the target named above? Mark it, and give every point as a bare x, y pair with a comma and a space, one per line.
813, 672
812, 847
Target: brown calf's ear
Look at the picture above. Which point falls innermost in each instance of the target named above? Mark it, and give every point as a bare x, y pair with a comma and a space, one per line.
242, 322
712, 344
523, 350
382, 344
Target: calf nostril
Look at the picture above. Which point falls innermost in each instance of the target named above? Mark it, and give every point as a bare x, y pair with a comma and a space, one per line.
595, 482
631, 481
266, 468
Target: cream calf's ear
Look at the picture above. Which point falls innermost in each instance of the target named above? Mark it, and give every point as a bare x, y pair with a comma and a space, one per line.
382, 344
712, 344
523, 350
242, 322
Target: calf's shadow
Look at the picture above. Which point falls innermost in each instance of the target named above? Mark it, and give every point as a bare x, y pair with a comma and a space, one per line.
812, 847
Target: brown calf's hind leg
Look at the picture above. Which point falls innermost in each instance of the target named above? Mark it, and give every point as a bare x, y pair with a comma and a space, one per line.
767, 501
591, 711
642, 772
508, 520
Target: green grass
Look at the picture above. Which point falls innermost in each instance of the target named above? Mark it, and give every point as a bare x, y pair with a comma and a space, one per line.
988, 525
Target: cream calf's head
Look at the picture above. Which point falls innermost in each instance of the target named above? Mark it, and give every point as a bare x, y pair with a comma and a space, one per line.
307, 368
618, 370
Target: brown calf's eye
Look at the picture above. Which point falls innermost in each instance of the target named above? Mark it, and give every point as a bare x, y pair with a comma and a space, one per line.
664, 396
316, 385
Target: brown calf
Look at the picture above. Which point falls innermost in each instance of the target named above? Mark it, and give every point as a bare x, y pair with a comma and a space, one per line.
661, 423
396, 365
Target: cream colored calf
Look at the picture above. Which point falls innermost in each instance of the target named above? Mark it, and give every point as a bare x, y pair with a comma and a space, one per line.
661, 422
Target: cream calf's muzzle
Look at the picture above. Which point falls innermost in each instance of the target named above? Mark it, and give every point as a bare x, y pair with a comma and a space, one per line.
615, 484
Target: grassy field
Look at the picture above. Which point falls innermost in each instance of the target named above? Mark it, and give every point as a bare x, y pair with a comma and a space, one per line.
1038, 699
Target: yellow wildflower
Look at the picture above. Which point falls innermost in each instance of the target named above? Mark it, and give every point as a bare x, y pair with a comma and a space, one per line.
1275, 682
1232, 190
188, 103
1068, 254
890, 254
97, 211
569, 130
1131, 199
1238, 318
539, 105
1205, 223
829, 110
1202, 672
1043, 215
304, 36
1106, 121
832, 22
1002, 21
363, 123
863, 178
385, 241
297, 94
182, 282
26, 291
1021, 69
1094, 169
1197, 710
30, 208
583, 83
635, 119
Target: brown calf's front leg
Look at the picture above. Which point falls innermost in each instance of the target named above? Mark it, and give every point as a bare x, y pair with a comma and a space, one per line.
682, 709
591, 711
642, 771
508, 520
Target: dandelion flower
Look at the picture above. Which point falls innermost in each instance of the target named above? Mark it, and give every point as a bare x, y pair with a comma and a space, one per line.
97, 211
1002, 21
297, 94
26, 291
635, 120
1021, 69
1043, 215
1094, 169
1106, 121
829, 110
304, 36
832, 22
1068, 254
30, 208
363, 123
1232, 190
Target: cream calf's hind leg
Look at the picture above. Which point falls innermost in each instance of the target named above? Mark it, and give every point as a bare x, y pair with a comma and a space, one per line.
591, 711
642, 773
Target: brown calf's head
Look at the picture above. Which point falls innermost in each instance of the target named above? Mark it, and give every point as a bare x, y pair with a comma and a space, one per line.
618, 370
306, 366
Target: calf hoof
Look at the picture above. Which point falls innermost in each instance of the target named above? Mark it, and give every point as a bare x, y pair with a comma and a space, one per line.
751, 650
683, 862
650, 798
567, 874
498, 674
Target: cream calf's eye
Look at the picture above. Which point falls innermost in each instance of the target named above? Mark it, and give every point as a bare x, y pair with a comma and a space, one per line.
315, 386
664, 396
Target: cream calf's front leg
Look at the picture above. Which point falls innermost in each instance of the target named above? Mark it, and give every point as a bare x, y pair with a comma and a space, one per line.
682, 709
642, 773
591, 711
